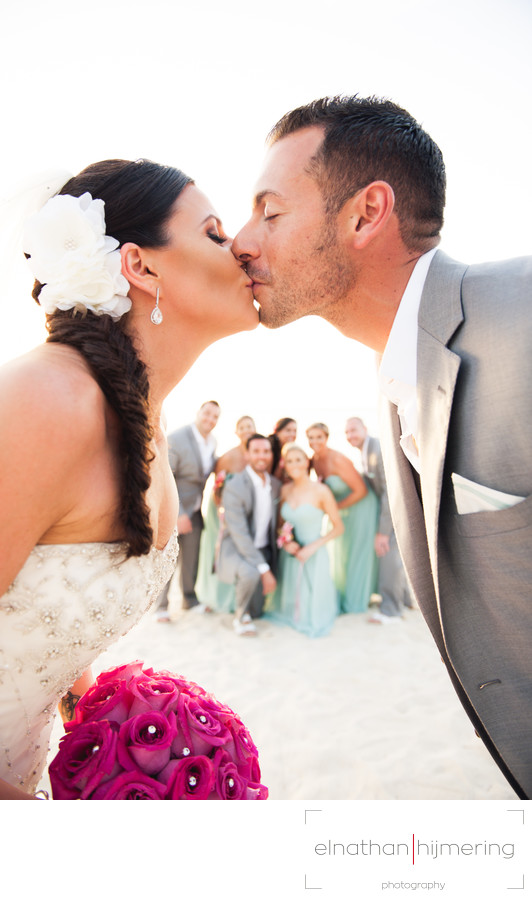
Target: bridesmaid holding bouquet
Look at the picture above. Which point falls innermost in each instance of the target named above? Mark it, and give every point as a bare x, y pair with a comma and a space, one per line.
306, 596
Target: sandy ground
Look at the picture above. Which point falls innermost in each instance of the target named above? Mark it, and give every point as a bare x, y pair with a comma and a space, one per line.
366, 712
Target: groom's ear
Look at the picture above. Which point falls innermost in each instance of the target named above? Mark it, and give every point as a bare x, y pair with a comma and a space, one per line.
367, 213
136, 270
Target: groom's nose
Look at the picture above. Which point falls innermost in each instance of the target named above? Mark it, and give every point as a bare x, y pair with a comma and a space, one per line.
245, 247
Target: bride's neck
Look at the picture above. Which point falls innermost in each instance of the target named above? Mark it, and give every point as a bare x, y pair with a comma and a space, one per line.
166, 361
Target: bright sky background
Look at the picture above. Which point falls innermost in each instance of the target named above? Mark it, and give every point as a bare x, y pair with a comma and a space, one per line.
199, 85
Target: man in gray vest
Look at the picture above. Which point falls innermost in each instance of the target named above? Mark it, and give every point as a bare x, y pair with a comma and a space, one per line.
192, 456
393, 586
248, 550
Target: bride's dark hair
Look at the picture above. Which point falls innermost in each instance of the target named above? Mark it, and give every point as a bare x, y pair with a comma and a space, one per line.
139, 198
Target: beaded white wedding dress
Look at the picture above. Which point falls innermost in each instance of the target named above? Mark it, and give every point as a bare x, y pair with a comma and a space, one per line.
65, 607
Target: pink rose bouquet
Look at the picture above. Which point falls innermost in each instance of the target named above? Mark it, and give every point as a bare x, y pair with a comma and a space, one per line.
219, 482
285, 535
140, 734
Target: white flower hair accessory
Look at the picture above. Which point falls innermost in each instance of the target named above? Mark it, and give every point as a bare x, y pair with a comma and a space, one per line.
71, 255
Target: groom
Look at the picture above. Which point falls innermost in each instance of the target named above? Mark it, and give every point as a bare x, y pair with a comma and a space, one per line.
345, 225
248, 550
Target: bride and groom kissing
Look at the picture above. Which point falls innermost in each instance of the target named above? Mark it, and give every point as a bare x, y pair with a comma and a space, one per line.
345, 224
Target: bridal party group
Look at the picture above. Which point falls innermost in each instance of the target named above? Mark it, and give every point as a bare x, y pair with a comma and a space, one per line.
286, 533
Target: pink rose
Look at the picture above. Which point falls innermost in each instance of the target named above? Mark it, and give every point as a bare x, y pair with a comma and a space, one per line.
124, 672
182, 683
144, 741
131, 786
230, 786
246, 785
250, 769
202, 728
85, 758
182, 744
241, 747
210, 703
256, 792
153, 694
192, 778
110, 700
166, 773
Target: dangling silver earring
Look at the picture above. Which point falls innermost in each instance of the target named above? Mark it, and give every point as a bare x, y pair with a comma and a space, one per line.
156, 316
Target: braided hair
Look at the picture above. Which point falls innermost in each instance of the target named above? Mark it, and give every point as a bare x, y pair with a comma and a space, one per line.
139, 198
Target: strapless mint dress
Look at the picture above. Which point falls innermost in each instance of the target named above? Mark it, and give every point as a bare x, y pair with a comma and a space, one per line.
353, 561
306, 596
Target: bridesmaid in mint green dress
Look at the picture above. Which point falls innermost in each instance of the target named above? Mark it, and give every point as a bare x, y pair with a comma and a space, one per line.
210, 590
353, 558
305, 597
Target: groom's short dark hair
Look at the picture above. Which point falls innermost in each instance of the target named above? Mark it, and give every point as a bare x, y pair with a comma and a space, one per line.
372, 139
255, 436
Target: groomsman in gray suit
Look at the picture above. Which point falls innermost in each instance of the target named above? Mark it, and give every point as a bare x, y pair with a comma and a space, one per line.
393, 586
248, 550
346, 225
192, 456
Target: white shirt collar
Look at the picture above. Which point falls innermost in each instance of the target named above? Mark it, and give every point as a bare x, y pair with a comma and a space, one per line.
207, 448
262, 511
208, 441
256, 479
398, 368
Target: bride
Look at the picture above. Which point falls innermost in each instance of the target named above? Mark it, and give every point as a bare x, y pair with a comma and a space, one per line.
136, 276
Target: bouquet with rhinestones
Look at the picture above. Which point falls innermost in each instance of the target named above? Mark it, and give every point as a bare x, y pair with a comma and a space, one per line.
140, 734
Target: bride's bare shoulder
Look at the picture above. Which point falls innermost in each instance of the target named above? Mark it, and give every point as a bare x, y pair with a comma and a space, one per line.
51, 387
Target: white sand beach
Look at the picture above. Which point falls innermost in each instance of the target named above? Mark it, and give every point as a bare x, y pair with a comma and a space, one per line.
366, 712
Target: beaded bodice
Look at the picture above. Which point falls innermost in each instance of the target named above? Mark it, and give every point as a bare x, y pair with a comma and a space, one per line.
67, 605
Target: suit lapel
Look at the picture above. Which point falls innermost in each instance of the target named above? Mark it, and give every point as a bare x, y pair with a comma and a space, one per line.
436, 384
416, 524
408, 520
440, 315
250, 502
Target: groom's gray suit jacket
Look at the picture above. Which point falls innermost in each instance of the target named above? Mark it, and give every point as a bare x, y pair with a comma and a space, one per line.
238, 500
472, 573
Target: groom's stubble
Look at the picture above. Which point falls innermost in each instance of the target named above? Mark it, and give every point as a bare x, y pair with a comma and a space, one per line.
315, 281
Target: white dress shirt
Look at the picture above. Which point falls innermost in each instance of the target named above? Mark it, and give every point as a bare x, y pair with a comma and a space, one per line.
398, 368
207, 448
262, 513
